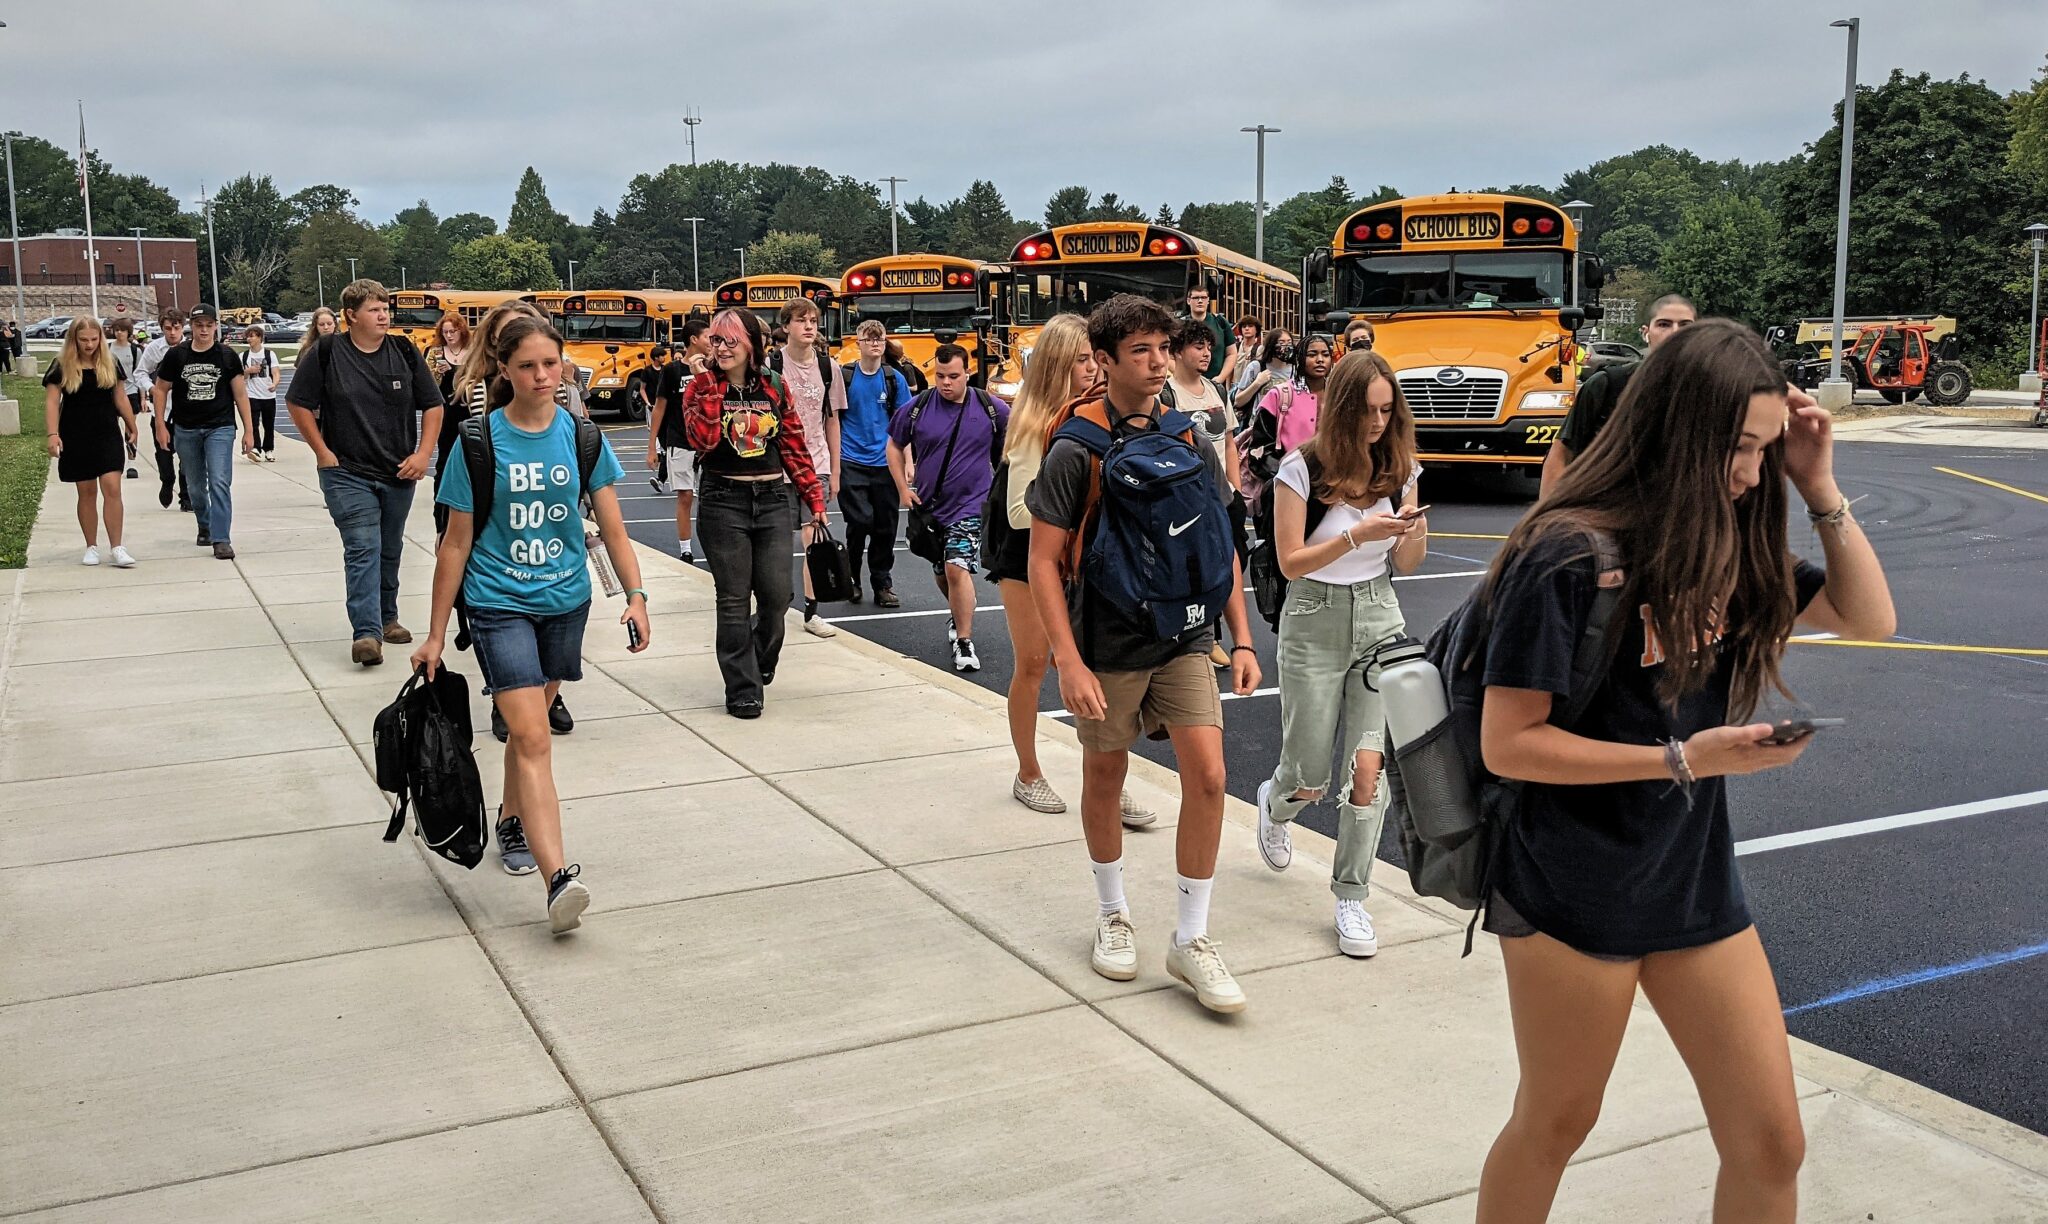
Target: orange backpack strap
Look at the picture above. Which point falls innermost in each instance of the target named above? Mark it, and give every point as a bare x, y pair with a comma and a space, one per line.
1096, 412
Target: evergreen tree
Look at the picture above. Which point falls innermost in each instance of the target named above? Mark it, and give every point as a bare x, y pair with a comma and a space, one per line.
1720, 255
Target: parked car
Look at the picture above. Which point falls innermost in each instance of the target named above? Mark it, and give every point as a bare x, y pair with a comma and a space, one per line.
1601, 353
51, 328
289, 332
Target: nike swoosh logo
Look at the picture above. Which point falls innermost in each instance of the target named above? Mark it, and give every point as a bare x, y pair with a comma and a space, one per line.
1174, 531
1185, 893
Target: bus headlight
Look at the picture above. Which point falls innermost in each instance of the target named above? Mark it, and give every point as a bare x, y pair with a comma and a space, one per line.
1538, 401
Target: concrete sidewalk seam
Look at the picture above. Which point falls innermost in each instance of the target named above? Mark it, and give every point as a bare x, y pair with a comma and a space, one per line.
310, 958
204, 841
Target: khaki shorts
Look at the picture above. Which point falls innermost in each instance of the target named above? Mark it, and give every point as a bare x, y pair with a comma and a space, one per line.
682, 470
1180, 692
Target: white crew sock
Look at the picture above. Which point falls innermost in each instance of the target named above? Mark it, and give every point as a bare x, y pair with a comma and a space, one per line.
1109, 885
683, 548
1194, 909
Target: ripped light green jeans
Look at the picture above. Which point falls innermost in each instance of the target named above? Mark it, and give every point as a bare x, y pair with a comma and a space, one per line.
1327, 634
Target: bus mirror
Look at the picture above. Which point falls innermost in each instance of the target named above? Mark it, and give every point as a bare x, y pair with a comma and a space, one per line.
1333, 320
982, 322
1318, 307
1594, 313
1315, 266
1571, 318
945, 335
1592, 273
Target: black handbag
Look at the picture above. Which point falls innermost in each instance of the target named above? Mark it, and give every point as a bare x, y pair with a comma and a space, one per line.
830, 568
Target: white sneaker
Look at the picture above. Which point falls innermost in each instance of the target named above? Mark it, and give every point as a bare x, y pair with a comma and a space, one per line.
819, 627
1135, 817
1276, 839
1116, 947
964, 658
121, 558
1355, 936
1199, 963
92, 555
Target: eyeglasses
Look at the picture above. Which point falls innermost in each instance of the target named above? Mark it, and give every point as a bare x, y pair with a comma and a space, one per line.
723, 342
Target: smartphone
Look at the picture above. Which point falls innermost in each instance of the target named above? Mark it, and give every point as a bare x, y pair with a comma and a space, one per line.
633, 634
1792, 730
1407, 513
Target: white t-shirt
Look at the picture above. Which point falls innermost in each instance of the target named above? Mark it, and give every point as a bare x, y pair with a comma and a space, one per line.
261, 385
1362, 564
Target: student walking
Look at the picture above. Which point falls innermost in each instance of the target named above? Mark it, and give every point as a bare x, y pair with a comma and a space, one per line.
1286, 415
445, 355
951, 435
1616, 870
868, 501
259, 367
322, 326
128, 356
523, 575
1202, 399
1223, 350
366, 403
141, 388
667, 447
200, 390
1274, 368
1121, 672
1345, 520
738, 415
820, 399
92, 431
1598, 394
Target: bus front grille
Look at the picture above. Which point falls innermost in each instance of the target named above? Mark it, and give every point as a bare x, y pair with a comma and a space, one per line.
1478, 397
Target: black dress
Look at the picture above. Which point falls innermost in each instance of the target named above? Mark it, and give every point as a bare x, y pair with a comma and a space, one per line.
89, 426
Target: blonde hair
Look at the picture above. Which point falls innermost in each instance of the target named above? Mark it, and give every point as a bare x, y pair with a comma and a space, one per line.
103, 371
479, 361
1048, 380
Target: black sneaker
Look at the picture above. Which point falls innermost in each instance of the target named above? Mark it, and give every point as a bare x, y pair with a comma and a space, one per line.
204, 540
499, 730
559, 721
854, 596
164, 493
743, 709
567, 899
512, 849
886, 598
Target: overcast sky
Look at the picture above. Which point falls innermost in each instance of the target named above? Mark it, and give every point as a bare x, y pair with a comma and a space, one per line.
450, 99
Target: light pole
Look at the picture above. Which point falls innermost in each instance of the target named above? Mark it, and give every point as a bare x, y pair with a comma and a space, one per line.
695, 285
1577, 211
1835, 393
141, 271
743, 261
320, 278
14, 226
1259, 207
2030, 381
401, 276
175, 305
690, 120
212, 256
572, 276
892, 180
351, 268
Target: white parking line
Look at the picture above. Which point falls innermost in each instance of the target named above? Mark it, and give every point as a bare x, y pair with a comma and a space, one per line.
1857, 828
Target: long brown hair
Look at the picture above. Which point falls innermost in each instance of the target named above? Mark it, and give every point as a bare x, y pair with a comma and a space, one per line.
1346, 466
518, 327
1655, 479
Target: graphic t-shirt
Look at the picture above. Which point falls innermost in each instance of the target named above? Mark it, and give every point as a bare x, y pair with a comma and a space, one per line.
261, 371
871, 400
202, 385
1617, 868
530, 557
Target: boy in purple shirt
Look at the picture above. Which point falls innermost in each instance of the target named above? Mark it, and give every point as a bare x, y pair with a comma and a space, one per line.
942, 454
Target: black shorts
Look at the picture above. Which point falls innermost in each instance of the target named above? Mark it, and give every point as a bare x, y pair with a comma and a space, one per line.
1505, 921
1013, 564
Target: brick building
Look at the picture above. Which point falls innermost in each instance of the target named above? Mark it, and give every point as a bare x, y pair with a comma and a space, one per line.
54, 279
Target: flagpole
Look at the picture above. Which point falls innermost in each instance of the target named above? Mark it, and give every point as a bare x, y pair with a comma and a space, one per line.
85, 189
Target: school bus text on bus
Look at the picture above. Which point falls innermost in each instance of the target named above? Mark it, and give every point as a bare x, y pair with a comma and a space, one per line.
610, 334
767, 293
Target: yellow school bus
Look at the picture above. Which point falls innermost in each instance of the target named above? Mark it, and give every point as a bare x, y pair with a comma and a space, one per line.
923, 300
1071, 268
765, 295
550, 300
610, 333
416, 312
1470, 296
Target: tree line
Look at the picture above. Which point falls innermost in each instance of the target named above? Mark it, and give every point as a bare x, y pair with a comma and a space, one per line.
1947, 174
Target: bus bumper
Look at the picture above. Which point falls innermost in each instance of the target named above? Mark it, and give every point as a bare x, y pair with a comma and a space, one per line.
1522, 439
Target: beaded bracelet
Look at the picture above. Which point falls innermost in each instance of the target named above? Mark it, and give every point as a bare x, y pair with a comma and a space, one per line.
1833, 518
1681, 769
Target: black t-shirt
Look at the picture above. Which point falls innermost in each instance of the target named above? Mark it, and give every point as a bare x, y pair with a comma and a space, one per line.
669, 386
1109, 641
368, 403
202, 385
1617, 868
90, 409
1593, 404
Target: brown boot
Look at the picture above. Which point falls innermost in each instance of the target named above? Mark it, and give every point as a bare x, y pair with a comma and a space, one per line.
397, 633
367, 651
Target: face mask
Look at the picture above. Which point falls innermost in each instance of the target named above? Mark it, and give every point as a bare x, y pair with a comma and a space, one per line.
1284, 352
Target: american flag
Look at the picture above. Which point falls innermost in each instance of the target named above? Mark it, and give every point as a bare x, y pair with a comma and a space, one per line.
82, 190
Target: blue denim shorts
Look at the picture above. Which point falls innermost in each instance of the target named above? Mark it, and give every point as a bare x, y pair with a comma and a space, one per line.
519, 650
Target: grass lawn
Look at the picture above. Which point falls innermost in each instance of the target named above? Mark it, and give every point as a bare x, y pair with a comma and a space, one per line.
24, 469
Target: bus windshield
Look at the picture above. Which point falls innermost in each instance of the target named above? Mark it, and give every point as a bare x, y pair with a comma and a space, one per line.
1472, 280
415, 316
598, 329
907, 313
1076, 289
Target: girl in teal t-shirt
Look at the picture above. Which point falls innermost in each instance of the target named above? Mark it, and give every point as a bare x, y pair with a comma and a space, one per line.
526, 590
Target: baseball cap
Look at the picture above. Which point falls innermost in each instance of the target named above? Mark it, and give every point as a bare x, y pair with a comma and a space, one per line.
202, 312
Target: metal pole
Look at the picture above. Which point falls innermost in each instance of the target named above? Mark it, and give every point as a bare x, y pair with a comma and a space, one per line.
1854, 25
892, 180
690, 120
351, 267
14, 226
743, 261
1259, 207
401, 276
141, 271
696, 285
2034, 308
174, 286
320, 277
572, 276
212, 256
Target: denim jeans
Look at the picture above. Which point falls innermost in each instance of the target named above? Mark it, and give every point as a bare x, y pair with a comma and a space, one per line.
1327, 634
370, 514
208, 459
746, 529
867, 499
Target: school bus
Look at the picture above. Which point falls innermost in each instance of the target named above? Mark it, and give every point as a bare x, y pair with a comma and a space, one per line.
1470, 296
1071, 268
416, 312
609, 333
549, 300
923, 300
766, 293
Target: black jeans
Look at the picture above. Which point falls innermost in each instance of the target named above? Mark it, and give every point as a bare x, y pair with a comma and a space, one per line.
867, 498
265, 413
746, 529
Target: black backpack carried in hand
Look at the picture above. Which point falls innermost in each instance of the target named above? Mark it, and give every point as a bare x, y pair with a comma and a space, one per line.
424, 760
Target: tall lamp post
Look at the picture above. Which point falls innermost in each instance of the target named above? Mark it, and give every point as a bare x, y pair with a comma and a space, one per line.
2030, 382
351, 268
142, 272
320, 279
14, 227
690, 120
1259, 207
1577, 211
696, 286
892, 180
743, 261
572, 276
212, 256
1835, 392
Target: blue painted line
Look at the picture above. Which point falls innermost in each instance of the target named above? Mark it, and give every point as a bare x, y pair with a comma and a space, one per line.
1921, 976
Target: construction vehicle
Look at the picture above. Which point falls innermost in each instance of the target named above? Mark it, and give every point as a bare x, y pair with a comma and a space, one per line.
1901, 357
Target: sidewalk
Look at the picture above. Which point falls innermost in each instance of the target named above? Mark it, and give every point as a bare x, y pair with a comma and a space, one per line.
831, 972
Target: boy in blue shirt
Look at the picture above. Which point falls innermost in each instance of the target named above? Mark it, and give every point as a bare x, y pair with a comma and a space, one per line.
867, 492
